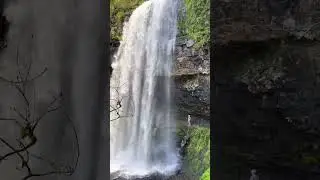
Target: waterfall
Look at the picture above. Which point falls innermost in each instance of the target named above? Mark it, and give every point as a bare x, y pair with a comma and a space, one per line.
142, 126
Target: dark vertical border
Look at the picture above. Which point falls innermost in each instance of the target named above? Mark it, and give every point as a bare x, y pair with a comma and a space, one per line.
104, 91
89, 99
93, 97
211, 47
214, 137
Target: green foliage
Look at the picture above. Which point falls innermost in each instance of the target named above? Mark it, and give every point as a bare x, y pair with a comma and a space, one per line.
196, 24
198, 150
119, 11
206, 175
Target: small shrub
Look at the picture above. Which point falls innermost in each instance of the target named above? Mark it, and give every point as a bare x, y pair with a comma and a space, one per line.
196, 23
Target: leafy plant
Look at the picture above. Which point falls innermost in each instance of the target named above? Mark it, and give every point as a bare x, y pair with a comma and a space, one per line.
198, 150
196, 23
206, 175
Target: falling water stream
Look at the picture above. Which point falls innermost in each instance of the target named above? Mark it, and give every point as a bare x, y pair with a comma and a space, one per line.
142, 125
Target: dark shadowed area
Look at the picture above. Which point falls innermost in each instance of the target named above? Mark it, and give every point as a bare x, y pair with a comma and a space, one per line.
266, 77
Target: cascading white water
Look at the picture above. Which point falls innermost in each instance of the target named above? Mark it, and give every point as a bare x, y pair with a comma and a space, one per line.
142, 126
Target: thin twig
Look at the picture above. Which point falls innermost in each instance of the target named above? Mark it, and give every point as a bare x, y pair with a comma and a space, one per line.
15, 151
12, 119
31, 122
21, 81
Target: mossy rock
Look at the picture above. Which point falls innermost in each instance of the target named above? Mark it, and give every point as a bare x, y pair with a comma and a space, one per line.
198, 150
195, 23
119, 11
206, 175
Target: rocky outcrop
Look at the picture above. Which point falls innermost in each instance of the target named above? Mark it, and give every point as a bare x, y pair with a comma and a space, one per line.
192, 81
258, 20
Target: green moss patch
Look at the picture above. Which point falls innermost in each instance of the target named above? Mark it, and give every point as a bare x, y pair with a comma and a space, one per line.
119, 11
196, 23
206, 175
198, 150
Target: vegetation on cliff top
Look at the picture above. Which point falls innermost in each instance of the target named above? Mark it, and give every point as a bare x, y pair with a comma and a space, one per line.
119, 11
196, 22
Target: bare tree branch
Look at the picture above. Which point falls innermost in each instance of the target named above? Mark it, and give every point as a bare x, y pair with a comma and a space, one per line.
22, 81
116, 105
49, 109
16, 151
30, 122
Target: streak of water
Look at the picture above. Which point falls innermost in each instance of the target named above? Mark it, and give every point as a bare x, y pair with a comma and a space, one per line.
142, 136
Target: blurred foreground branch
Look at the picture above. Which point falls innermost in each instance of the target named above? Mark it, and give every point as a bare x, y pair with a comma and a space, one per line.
28, 121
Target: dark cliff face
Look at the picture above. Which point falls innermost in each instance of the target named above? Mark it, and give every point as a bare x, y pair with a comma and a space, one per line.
254, 20
266, 109
191, 75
